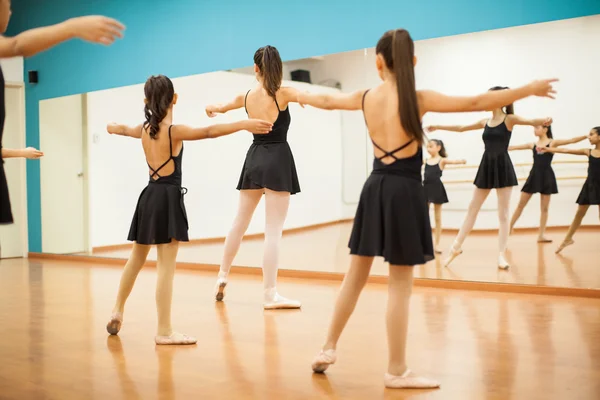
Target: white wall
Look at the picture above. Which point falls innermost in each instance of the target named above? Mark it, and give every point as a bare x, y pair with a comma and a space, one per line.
211, 168
13, 69
470, 64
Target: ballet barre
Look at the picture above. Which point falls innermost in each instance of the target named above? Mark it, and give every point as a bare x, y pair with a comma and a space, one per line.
559, 178
515, 165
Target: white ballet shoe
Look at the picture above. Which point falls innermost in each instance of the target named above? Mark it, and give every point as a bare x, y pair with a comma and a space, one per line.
502, 263
114, 325
175, 339
273, 301
409, 381
564, 244
452, 254
220, 288
323, 360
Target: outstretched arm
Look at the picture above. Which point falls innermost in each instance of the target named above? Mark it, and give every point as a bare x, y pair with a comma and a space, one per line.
256, 126
578, 152
124, 130
237, 102
563, 142
431, 101
512, 120
95, 29
457, 128
445, 161
526, 146
30, 153
337, 101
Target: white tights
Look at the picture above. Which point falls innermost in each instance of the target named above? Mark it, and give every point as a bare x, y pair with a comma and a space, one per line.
479, 196
276, 207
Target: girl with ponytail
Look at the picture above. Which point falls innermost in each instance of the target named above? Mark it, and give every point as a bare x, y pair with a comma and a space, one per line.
435, 192
268, 169
392, 218
541, 178
496, 171
160, 218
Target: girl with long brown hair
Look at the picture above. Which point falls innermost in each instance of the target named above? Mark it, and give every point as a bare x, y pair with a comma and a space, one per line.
392, 219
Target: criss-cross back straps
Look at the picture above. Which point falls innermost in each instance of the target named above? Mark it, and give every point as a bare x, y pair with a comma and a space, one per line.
155, 171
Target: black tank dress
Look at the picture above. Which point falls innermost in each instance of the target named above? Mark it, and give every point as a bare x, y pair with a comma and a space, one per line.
5, 210
590, 193
496, 169
392, 218
269, 161
541, 178
435, 192
160, 213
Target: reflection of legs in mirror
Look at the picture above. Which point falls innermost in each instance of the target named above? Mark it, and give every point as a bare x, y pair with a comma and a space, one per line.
398, 375
503, 212
249, 199
167, 255
353, 284
437, 208
544, 206
136, 261
581, 211
276, 206
479, 196
525, 197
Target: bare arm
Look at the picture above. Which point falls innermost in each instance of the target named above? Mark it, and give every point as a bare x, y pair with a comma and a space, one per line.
95, 29
578, 152
526, 146
445, 161
512, 120
237, 102
337, 101
458, 128
563, 142
30, 153
256, 126
431, 101
124, 130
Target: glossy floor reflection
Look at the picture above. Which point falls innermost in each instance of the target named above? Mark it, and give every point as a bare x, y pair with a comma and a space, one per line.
325, 249
479, 345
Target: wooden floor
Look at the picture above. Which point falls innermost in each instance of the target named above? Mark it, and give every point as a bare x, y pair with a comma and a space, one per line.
479, 345
325, 249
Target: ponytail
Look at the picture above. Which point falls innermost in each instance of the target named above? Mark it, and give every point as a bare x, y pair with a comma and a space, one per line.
442, 152
159, 94
271, 68
549, 132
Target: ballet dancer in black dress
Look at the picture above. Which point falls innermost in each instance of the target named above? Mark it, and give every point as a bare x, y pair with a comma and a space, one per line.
392, 219
541, 178
95, 29
160, 218
590, 192
435, 192
269, 169
495, 171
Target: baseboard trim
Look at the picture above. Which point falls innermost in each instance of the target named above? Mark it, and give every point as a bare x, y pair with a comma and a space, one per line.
339, 276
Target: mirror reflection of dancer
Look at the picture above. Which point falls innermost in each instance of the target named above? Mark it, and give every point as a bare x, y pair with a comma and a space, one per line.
541, 178
96, 29
401, 234
590, 192
495, 171
160, 218
269, 169
435, 192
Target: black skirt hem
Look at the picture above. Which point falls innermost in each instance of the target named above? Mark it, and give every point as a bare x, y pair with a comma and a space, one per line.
159, 242
257, 186
426, 258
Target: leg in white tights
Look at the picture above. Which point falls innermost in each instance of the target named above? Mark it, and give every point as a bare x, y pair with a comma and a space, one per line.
525, 197
479, 196
544, 207
503, 215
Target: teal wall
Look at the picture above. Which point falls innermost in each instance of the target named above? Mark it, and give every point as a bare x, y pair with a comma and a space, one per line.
185, 37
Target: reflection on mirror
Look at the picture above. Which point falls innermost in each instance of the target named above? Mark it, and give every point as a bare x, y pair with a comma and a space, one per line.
103, 175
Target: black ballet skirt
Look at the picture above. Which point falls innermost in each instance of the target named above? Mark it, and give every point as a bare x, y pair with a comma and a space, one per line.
435, 192
496, 168
160, 214
541, 177
392, 218
5, 210
269, 161
590, 192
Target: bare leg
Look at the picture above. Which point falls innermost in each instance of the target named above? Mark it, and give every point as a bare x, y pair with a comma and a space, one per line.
581, 211
136, 261
399, 292
437, 208
544, 206
479, 196
353, 284
167, 255
525, 197
503, 213
249, 199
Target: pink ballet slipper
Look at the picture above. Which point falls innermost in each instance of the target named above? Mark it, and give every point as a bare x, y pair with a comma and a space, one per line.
114, 325
323, 360
175, 339
409, 381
